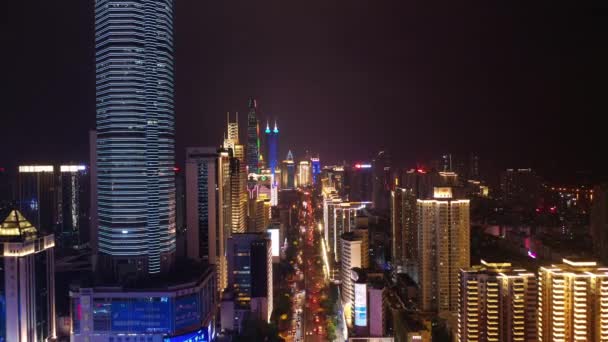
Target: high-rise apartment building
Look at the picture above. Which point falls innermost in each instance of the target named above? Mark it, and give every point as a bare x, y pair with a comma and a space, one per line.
135, 135
573, 302
354, 254
443, 249
498, 302
404, 230
250, 272
205, 238
381, 180
27, 281
358, 182
253, 137
37, 195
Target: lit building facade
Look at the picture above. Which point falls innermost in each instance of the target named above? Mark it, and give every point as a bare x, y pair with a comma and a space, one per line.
272, 146
304, 174
205, 237
27, 281
73, 205
444, 248
358, 182
497, 303
404, 230
288, 173
354, 254
238, 179
253, 137
381, 180
573, 302
135, 135
183, 305
37, 195
250, 273
315, 163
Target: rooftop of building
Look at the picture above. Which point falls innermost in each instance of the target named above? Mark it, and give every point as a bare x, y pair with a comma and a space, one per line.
14, 227
352, 235
185, 272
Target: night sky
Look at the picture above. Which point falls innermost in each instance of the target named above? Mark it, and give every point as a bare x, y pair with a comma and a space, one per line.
523, 84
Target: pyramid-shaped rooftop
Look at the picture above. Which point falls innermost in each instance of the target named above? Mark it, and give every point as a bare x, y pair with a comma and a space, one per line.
16, 225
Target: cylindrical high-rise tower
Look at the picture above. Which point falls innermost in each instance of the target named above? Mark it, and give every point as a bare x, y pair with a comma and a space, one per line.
135, 135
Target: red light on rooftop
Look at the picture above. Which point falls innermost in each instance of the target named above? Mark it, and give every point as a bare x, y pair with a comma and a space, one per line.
358, 166
419, 170
176, 169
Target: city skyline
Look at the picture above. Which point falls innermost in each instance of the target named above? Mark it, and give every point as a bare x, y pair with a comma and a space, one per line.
503, 95
398, 172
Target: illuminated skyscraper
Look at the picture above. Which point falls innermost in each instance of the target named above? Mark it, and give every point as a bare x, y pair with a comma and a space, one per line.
250, 272
354, 254
443, 249
404, 230
288, 172
238, 178
73, 205
573, 302
253, 137
381, 180
272, 146
304, 174
201, 203
358, 182
27, 281
316, 169
497, 303
135, 135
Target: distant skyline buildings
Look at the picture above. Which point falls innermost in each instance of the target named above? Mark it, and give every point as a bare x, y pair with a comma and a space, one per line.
135, 135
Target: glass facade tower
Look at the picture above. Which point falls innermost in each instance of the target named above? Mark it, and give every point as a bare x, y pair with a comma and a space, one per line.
135, 135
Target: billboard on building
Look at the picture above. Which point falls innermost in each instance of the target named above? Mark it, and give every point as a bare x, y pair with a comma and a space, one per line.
276, 242
360, 305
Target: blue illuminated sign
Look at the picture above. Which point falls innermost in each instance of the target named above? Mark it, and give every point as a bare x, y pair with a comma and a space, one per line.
141, 315
200, 335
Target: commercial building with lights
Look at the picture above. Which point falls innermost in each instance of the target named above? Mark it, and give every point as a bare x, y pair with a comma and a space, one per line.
315, 163
497, 302
404, 230
73, 205
206, 240
37, 195
354, 254
339, 217
358, 182
304, 174
135, 136
381, 180
573, 302
288, 173
27, 281
250, 274
444, 248
272, 147
237, 179
253, 137
167, 308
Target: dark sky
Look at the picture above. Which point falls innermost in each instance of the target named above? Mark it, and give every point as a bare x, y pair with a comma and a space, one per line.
521, 83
